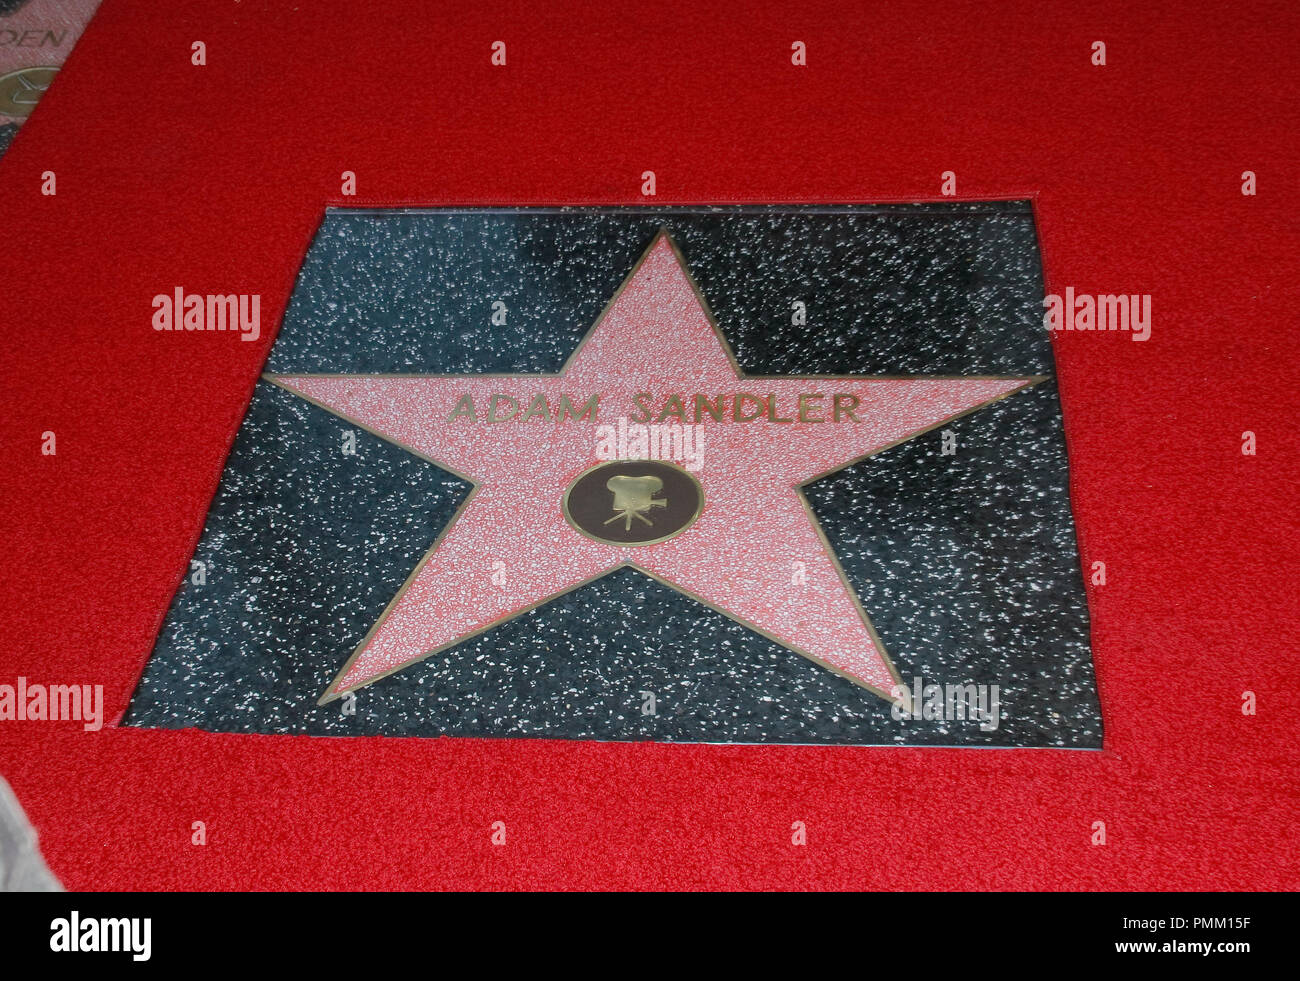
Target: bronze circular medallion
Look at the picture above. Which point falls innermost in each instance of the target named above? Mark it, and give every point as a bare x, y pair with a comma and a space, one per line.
20, 90
633, 502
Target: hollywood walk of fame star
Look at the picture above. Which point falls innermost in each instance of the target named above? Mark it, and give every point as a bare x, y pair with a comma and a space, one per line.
736, 555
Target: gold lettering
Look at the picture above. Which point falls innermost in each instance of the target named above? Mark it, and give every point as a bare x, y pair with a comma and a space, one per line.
805, 407
771, 409
673, 407
464, 407
640, 399
846, 403
498, 400
538, 407
702, 405
738, 409
589, 407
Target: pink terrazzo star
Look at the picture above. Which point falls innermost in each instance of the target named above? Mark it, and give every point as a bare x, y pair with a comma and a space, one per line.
756, 553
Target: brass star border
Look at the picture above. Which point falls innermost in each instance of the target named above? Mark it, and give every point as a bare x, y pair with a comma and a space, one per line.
331, 695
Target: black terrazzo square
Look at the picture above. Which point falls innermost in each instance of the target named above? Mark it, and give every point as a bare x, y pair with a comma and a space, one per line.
967, 561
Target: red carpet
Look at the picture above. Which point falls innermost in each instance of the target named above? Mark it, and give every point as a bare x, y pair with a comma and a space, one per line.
214, 178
